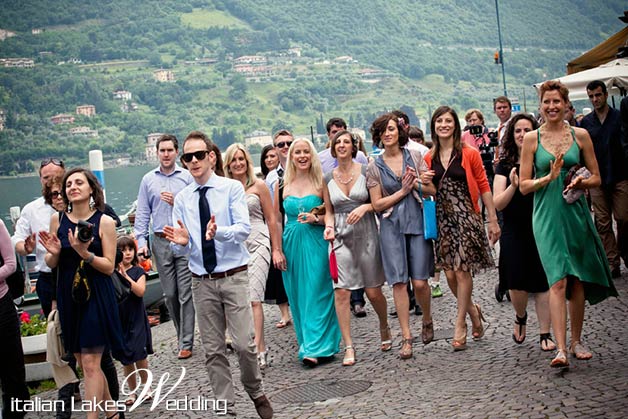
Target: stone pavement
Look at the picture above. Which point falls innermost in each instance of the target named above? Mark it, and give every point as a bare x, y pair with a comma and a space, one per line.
493, 378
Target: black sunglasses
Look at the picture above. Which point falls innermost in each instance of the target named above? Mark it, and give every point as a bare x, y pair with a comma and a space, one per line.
200, 155
54, 161
283, 144
55, 194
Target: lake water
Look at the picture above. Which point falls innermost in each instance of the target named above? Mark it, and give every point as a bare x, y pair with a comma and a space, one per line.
122, 185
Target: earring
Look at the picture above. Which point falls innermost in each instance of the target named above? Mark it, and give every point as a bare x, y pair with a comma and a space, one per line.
69, 210
91, 202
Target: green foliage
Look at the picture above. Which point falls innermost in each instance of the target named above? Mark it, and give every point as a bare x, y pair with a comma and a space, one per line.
35, 325
429, 53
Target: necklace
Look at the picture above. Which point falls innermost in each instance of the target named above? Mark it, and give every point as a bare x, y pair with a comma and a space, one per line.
344, 182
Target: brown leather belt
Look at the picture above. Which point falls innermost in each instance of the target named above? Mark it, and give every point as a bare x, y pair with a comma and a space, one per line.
160, 234
219, 275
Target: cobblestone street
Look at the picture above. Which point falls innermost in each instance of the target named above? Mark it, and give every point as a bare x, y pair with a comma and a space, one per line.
493, 378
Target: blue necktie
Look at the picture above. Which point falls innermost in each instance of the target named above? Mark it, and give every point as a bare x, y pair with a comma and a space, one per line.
209, 251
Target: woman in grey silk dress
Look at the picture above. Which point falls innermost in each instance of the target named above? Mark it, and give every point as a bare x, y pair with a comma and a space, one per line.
355, 241
264, 233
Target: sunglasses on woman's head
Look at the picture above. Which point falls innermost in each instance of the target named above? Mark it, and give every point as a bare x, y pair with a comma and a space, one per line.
54, 161
200, 155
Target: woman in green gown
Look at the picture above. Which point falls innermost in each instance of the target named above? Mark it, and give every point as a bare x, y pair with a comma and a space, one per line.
307, 279
570, 249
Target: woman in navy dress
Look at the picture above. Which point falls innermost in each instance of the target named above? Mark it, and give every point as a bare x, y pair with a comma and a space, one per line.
135, 327
92, 327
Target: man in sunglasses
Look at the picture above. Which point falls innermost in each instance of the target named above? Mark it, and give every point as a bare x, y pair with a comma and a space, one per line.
154, 202
282, 141
35, 217
211, 223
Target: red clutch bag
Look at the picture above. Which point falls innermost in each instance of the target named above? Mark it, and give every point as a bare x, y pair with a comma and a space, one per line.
333, 264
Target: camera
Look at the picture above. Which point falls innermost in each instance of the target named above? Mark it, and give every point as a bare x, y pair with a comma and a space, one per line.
476, 130
119, 257
84, 231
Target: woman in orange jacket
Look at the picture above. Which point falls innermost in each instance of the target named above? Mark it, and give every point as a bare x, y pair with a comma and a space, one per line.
462, 247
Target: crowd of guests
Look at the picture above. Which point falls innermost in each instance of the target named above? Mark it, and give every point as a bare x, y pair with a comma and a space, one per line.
315, 232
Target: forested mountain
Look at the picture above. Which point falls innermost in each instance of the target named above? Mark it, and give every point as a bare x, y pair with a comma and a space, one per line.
418, 54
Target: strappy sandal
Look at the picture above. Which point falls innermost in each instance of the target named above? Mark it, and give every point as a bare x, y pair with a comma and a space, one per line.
546, 339
310, 362
349, 361
579, 351
427, 332
560, 360
521, 322
406, 348
130, 400
478, 332
460, 344
386, 343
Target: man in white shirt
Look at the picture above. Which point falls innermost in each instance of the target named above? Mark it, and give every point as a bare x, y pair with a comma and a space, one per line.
34, 218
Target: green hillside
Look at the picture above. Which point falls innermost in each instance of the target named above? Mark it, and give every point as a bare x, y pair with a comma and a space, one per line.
400, 53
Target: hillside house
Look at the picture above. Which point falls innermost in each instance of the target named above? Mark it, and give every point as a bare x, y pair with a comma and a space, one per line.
62, 118
84, 131
17, 62
87, 110
261, 138
163, 75
122, 95
250, 59
151, 149
4, 34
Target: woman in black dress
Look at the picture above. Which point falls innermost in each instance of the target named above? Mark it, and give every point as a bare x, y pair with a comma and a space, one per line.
520, 269
91, 327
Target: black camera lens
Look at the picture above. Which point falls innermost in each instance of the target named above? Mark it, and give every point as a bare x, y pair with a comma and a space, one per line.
85, 231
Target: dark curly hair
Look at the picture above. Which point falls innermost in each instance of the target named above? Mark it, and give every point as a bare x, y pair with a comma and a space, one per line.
97, 193
378, 128
509, 147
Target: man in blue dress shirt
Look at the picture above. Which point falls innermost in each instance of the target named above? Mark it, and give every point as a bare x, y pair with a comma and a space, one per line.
155, 200
211, 223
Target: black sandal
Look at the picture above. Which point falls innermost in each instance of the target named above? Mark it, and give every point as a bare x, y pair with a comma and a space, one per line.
543, 339
520, 321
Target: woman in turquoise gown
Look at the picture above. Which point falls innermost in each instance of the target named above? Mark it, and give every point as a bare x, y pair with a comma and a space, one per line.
307, 280
570, 249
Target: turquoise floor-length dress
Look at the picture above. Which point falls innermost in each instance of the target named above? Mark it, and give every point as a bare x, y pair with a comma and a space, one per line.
307, 281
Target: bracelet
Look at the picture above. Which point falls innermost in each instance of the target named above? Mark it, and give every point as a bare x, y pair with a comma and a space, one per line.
326, 227
536, 184
89, 258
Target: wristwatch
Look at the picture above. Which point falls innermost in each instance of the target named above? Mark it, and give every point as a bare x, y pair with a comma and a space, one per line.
89, 258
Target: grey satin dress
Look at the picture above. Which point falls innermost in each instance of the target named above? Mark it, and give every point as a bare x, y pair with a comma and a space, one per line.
357, 245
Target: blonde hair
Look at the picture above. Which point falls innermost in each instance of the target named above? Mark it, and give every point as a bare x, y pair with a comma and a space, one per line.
230, 155
316, 171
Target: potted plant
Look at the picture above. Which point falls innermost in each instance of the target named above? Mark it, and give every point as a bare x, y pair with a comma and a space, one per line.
33, 330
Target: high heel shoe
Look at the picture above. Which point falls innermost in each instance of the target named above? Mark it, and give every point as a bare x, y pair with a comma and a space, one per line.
406, 349
521, 322
386, 343
461, 343
478, 332
262, 360
349, 361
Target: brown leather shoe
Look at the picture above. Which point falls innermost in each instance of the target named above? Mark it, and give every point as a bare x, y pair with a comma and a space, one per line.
184, 354
262, 405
